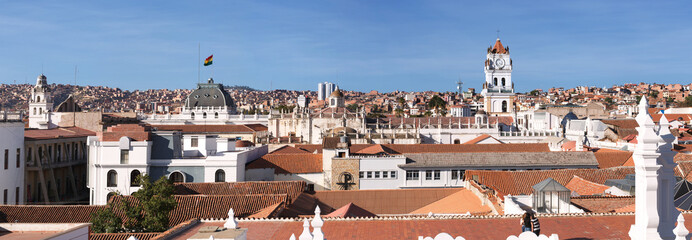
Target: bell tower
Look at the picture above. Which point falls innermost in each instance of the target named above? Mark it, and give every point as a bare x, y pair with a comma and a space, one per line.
41, 104
498, 89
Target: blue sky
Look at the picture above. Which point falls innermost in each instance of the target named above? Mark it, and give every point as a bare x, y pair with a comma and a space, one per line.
360, 45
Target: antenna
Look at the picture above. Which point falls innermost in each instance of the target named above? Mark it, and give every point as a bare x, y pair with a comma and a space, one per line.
75, 74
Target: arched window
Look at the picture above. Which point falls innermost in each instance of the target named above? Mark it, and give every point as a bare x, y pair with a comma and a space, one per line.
495, 82
216, 115
40, 110
38, 98
503, 82
192, 115
177, 177
135, 178
457, 141
34, 111
112, 180
204, 115
220, 176
504, 106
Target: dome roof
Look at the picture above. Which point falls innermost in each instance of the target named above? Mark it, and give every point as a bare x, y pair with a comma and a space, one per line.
337, 93
209, 94
346, 130
480, 112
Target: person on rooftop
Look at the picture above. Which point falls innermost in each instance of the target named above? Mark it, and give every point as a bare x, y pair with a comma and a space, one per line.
525, 222
535, 225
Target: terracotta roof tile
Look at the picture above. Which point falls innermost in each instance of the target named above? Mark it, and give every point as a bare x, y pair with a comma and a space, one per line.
122, 236
350, 210
621, 123
480, 138
289, 163
37, 214
584, 187
291, 188
463, 201
612, 158
135, 132
602, 204
289, 150
267, 212
520, 182
68, 132
498, 48
398, 201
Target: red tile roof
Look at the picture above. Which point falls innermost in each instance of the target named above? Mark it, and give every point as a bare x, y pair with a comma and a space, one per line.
610, 226
585, 187
225, 128
122, 236
463, 201
498, 48
350, 210
442, 148
37, 214
291, 188
271, 211
602, 204
397, 201
135, 132
520, 182
480, 138
611, 158
68, 132
289, 163
672, 117
289, 150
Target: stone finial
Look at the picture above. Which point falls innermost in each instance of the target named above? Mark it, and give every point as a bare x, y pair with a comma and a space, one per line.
664, 131
231, 223
293, 237
317, 223
211, 237
132, 238
306, 231
681, 231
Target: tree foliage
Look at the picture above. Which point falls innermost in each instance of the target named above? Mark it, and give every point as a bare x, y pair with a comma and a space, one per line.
438, 104
149, 211
353, 107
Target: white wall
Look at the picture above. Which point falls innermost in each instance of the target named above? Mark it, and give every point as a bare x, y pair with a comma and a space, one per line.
380, 164
310, 178
12, 139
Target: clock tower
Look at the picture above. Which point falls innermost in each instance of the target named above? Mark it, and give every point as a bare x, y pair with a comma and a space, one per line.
498, 89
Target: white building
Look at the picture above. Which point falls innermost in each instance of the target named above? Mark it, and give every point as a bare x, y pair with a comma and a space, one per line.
41, 105
325, 89
124, 152
209, 104
498, 89
12, 168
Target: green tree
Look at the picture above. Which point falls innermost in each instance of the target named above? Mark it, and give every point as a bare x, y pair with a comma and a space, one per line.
353, 107
653, 94
157, 202
399, 112
105, 221
534, 93
608, 100
148, 212
401, 101
437, 103
687, 102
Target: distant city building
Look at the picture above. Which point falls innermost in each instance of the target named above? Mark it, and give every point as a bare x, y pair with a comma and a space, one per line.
325, 89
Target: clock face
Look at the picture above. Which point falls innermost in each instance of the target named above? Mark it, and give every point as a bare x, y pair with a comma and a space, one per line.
500, 62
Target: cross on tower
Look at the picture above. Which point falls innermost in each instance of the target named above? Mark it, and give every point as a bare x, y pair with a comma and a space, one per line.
498, 33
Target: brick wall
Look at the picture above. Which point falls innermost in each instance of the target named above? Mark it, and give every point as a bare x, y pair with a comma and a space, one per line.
341, 165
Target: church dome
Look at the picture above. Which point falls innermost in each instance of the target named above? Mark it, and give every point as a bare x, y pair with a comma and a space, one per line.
337, 93
209, 94
480, 112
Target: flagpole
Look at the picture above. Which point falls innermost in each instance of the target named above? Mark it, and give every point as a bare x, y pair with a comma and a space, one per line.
199, 65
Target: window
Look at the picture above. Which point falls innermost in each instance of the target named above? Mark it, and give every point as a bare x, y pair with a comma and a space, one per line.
455, 174
311, 187
16, 196
457, 141
192, 115
135, 178
124, 156
193, 142
369, 174
495, 82
384, 174
342, 154
392, 174
216, 115
28, 155
204, 115
503, 82
220, 176
428, 174
58, 153
412, 175
361, 174
7, 160
377, 174
4, 197
436, 174
19, 161
177, 177
112, 179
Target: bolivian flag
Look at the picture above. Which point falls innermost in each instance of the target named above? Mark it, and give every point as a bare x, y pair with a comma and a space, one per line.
208, 61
